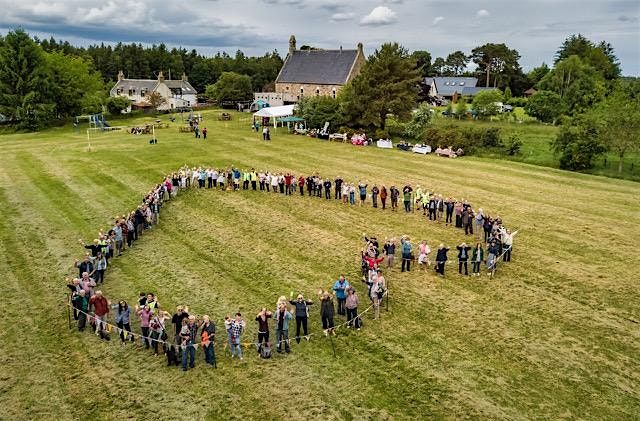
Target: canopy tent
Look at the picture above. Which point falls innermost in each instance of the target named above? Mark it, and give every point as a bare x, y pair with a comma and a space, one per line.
274, 113
290, 119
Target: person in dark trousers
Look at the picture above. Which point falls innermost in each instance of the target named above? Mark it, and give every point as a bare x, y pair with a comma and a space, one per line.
263, 327
432, 208
352, 308
406, 254
123, 318
338, 185
327, 311
208, 339
441, 259
375, 191
282, 318
310, 186
188, 339
406, 195
449, 205
383, 197
463, 257
302, 315
477, 257
204, 133
340, 288
394, 192
301, 181
81, 303
327, 189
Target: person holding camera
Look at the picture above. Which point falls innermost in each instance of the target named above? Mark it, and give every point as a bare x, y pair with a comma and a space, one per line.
188, 339
282, 318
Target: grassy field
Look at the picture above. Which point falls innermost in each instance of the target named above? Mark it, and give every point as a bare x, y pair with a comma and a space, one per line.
555, 335
536, 139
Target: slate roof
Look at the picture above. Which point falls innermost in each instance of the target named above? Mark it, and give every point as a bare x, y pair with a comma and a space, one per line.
137, 84
179, 83
473, 90
321, 67
447, 86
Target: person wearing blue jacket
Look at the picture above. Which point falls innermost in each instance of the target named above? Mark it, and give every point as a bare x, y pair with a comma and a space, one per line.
281, 317
340, 288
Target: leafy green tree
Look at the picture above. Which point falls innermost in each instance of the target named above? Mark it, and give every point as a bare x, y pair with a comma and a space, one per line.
230, 86
317, 110
579, 85
419, 123
386, 85
546, 106
601, 57
497, 60
117, 104
423, 62
537, 73
619, 121
438, 67
25, 89
578, 144
76, 86
507, 94
456, 62
485, 103
155, 100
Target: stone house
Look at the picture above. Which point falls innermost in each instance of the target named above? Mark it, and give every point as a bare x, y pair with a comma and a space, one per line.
177, 93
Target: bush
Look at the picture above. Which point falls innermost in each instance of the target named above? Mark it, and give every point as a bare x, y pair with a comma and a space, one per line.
117, 104
517, 101
513, 144
578, 144
381, 134
470, 139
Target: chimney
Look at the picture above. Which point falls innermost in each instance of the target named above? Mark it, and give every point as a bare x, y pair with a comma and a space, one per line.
184, 77
160, 77
120, 75
360, 48
292, 44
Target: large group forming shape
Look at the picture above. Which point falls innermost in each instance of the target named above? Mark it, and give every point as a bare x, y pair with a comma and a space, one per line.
91, 307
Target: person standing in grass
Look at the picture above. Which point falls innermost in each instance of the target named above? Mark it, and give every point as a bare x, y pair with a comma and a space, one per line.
458, 210
85, 266
477, 256
100, 262
156, 325
406, 253
327, 188
463, 257
302, 315
352, 194
394, 193
81, 303
423, 256
237, 329
377, 285
282, 317
327, 311
100, 310
449, 205
492, 257
479, 221
507, 245
441, 259
144, 314
351, 304
123, 317
263, 327
340, 288
188, 337
383, 197
362, 189
389, 251
406, 195
208, 337
301, 181
338, 186
375, 191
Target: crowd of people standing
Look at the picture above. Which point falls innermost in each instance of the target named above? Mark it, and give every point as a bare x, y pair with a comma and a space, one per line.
189, 332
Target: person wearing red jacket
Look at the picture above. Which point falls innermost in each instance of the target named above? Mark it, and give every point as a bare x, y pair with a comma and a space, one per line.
372, 261
100, 310
301, 180
288, 178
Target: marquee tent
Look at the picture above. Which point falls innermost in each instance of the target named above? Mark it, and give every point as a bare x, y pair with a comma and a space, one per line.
275, 112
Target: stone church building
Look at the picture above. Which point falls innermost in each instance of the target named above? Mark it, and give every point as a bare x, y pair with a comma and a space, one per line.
317, 72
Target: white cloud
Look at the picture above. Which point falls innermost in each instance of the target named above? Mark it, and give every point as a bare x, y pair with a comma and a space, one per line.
339, 17
380, 16
438, 19
483, 13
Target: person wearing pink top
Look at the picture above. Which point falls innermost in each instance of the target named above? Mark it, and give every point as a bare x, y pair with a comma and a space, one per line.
144, 314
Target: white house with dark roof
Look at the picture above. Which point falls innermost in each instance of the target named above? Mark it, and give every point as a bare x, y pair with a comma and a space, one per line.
452, 87
178, 93
317, 72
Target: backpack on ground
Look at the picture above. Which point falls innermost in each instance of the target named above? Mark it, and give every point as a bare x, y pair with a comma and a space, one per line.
265, 350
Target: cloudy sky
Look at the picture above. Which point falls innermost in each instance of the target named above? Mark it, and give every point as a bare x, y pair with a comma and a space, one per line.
534, 27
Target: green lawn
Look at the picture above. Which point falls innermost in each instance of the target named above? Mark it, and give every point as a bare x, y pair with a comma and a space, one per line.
536, 139
555, 335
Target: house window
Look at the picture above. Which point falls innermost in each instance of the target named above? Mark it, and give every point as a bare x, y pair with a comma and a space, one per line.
287, 88
118, 91
143, 92
317, 91
301, 91
130, 92
334, 93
